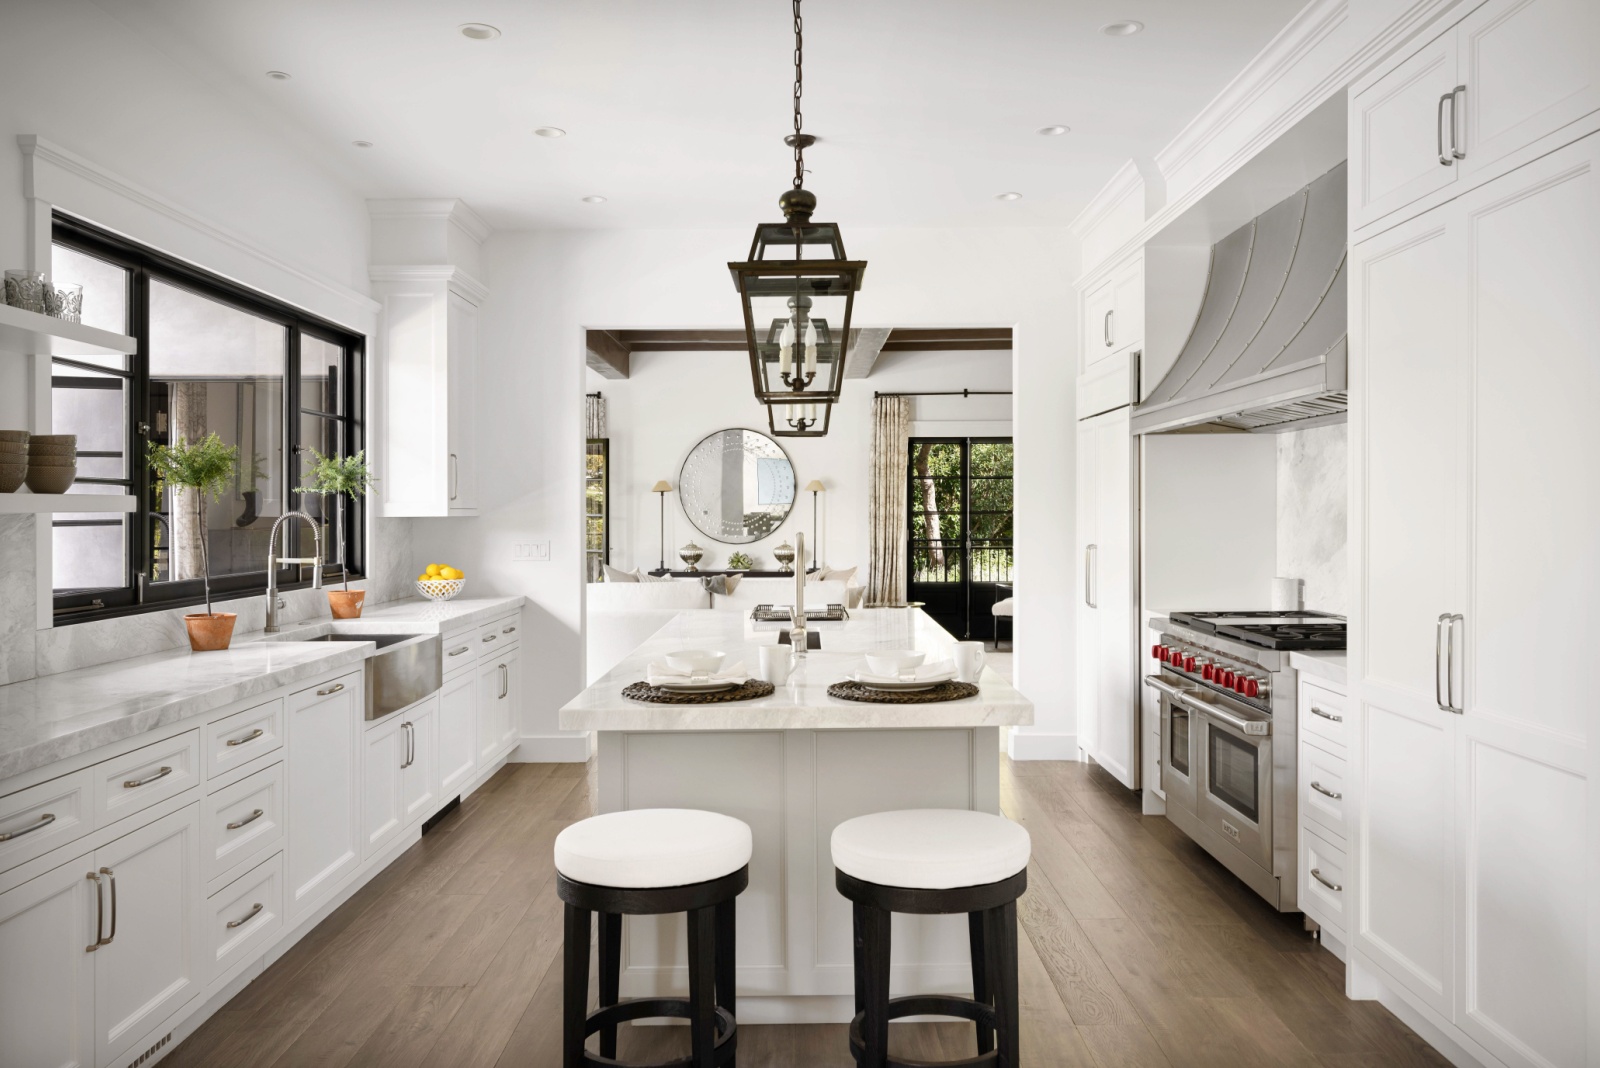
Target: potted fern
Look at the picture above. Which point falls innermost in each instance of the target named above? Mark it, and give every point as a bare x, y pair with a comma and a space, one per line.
340, 477
207, 467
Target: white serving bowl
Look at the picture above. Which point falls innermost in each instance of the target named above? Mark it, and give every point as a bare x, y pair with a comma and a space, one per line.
894, 661
696, 661
440, 589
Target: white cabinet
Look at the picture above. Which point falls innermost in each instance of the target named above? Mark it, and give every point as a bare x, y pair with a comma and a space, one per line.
1475, 350
499, 690
324, 764
384, 749
1510, 73
1108, 597
46, 978
419, 778
462, 436
1113, 314
458, 728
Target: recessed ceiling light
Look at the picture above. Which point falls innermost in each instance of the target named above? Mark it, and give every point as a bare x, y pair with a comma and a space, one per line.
1122, 29
362, 144
1008, 196
277, 75
1053, 131
550, 131
478, 31
593, 199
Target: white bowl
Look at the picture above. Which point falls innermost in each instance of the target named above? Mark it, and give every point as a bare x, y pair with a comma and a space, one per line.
440, 589
695, 661
894, 662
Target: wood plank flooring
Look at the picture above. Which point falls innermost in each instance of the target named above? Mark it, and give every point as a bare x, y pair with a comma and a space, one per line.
1140, 951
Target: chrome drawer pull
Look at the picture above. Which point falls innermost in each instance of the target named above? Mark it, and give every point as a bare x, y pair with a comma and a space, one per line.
335, 688
508, 630
458, 652
490, 637
130, 784
252, 736
44, 821
258, 813
254, 911
1315, 711
1317, 875
1324, 791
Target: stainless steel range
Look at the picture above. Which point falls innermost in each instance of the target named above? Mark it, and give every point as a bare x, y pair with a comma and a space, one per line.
1228, 748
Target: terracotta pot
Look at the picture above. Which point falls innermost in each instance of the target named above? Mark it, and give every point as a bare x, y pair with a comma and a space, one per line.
346, 604
210, 633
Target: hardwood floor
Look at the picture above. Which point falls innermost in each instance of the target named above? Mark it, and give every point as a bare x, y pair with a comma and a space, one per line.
1140, 950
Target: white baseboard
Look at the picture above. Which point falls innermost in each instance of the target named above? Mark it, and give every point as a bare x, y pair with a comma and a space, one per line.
1025, 745
574, 748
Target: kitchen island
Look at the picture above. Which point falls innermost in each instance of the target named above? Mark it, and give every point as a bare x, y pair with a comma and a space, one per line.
793, 766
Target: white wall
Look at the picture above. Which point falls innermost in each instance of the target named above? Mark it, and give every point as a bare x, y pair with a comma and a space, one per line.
671, 400
547, 287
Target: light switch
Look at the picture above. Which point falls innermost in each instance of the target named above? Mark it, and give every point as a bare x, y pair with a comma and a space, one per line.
540, 552
529, 552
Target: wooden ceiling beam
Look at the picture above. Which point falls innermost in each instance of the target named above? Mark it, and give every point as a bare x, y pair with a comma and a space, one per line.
606, 355
865, 345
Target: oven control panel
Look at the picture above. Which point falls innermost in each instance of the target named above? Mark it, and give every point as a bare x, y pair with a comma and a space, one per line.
1218, 671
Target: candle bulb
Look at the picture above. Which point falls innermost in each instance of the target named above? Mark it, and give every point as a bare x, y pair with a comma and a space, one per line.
811, 350
785, 350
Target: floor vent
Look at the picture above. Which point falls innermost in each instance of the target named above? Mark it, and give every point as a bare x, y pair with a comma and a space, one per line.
152, 1051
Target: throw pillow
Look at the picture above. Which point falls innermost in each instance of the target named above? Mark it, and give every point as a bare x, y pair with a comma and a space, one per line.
721, 585
616, 574
641, 575
832, 574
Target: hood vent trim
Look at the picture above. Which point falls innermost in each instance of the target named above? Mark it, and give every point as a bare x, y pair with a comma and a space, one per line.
1268, 347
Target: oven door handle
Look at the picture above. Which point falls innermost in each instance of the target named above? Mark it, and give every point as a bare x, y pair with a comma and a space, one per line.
1250, 728
1155, 682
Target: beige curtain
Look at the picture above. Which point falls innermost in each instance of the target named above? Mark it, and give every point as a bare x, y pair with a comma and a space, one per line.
886, 511
594, 415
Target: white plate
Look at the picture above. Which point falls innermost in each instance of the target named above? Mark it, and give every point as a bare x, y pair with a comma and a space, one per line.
898, 687
698, 687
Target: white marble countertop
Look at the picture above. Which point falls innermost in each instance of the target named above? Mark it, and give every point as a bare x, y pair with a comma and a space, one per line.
55, 717
1329, 666
803, 702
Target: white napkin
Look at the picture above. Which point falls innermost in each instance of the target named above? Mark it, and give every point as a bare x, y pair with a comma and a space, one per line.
660, 674
938, 671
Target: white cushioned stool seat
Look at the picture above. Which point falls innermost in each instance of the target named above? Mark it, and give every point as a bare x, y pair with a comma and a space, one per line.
652, 847
930, 848
1007, 607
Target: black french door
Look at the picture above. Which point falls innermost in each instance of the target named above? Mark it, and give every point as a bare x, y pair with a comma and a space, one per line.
959, 520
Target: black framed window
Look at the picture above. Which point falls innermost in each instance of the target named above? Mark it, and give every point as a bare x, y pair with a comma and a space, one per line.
597, 508
210, 357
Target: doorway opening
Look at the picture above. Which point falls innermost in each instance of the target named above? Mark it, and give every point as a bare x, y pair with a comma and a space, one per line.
960, 530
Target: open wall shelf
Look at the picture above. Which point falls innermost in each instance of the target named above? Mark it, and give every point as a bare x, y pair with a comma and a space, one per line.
34, 334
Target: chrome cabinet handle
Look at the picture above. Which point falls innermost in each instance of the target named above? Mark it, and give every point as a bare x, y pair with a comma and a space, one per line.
111, 877
508, 630
1105, 327
1317, 875
1091, 558
335, 688
454, 469
458, 652
1315, 711
1324, 791
1438, 129
257, 814
505, 682
254, 911
131, 784
411, 729
490, 637
407, 762
1455, 121
1438, 661
1450, 664
252, 736
44, 821
99, 913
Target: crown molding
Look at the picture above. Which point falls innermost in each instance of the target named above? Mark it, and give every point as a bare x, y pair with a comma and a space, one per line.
455, 278
37, 150
1124, 182
449, 209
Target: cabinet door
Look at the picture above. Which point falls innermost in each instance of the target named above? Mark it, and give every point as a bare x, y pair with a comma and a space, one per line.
419, 781
1406, 439
1532, 279
1529, 67
1109, 712
152, 963
384, 751
1127, 310
511, 724
324, 765
46, 974
1088, 623
458, 732
496, 725
1397, 132
1099, 307
463, 342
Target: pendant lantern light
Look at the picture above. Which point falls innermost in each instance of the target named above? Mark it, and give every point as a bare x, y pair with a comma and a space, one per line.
798, 289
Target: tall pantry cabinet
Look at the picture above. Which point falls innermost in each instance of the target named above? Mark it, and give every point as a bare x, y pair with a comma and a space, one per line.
1474, 367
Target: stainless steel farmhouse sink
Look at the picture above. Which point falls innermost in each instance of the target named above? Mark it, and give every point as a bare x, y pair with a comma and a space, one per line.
404, 669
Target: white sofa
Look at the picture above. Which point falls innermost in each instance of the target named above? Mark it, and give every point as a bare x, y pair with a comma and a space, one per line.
621, 615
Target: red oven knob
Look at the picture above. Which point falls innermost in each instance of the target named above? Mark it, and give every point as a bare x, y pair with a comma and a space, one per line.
1155, 651
1207, 671
1188, 662
1252, 688
1240, 682
1227, 679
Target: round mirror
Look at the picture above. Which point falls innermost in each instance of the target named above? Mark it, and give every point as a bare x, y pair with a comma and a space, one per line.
737, 486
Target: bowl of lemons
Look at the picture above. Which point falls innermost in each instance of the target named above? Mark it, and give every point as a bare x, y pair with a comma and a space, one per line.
440, 582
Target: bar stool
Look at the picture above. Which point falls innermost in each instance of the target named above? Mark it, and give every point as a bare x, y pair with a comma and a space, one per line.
648, 862
934, 861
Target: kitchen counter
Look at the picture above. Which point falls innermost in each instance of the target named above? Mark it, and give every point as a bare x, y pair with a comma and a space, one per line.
1329, 666
803, 702
55, 717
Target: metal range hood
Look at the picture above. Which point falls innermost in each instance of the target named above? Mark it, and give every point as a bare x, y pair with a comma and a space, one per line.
1268, 350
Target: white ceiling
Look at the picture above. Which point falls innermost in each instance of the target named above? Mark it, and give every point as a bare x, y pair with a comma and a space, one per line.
676, 111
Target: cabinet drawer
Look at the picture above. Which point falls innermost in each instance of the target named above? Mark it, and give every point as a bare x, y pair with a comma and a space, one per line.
243, 736
1322, 714
1322, 881
137, 780
241, 821
36, 820
1322, 790
493, 637
461, 651
244, 918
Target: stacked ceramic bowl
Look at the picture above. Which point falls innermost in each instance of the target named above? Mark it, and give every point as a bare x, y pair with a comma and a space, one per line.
52, 462
13, 459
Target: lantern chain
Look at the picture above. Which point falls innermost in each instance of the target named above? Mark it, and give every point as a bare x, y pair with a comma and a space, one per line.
799, 56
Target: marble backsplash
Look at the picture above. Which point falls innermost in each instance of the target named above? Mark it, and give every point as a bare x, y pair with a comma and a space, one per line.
1313, 495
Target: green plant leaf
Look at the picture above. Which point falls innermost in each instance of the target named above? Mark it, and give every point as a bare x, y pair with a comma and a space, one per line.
208, 465
348, 475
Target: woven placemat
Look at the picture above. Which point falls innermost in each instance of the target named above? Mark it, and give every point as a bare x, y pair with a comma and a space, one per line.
945, 691
643, 691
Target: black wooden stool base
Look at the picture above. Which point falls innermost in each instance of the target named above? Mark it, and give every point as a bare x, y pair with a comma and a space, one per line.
931, 1005
713, 1029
